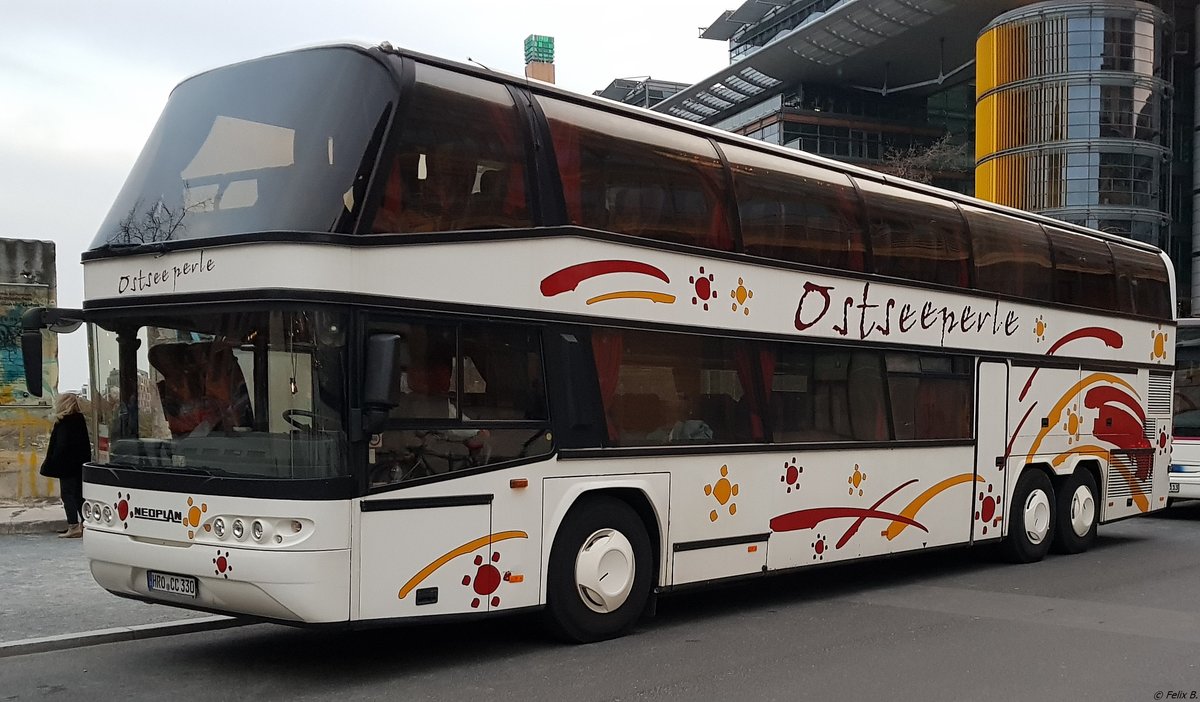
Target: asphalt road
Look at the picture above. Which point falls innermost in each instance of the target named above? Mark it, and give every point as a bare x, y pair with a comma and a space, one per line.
46, 589
1121, 622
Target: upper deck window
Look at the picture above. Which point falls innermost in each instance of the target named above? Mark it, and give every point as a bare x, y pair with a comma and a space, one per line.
460, 158
1143, 285
1083, 270
650, 181
915, 236
796, 212
284, 143
1012, 256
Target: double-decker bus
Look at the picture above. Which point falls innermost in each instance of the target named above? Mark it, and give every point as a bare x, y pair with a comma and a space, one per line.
377, 336
1184, 473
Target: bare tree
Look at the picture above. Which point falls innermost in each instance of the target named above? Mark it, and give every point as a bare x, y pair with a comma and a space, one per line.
921, 162
157, 223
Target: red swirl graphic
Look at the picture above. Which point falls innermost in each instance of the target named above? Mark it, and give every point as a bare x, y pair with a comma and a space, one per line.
1111, 339
858, 522
809, 518
570, 277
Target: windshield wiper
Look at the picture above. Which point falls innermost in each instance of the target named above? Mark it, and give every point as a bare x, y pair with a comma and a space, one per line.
123, 247
194, 470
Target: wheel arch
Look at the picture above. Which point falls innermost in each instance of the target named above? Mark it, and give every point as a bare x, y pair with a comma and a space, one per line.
1039, 466
1090, 464
647, 495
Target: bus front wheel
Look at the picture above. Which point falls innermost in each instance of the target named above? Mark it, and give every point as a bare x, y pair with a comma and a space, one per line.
1077, 513
599, 575
1031, 518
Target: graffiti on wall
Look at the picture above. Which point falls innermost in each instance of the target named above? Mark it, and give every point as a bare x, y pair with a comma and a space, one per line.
14, 300
25, 420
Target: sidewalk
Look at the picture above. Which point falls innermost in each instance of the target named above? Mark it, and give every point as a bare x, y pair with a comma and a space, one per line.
32, 517
50, 600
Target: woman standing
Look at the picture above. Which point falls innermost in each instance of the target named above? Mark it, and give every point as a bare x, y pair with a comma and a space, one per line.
70, 447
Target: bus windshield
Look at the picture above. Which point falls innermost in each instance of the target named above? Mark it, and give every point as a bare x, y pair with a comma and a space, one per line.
284, 143
252, 394
1187, 382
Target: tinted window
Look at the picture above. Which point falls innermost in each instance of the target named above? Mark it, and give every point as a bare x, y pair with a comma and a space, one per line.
284, 143
469, 396
650, 181
245, 393
674, 389
915, 236
1186, 405
931, 396
1083, 270
1143, 282
796, 212
460, 162
826, 395
1011, 256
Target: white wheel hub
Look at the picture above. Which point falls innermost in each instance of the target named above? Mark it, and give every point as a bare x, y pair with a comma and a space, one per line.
1083, 511
1037, 516
604, 570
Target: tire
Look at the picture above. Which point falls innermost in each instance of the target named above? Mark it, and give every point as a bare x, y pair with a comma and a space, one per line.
600, 571
1078, 513
1031, 521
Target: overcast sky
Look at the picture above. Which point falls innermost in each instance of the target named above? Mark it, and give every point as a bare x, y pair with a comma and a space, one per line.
82, 83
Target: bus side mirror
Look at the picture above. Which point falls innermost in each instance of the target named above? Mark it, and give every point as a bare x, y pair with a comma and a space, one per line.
33, 321
381, 387
31, 354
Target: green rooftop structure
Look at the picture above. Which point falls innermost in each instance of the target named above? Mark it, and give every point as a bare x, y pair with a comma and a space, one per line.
539, 48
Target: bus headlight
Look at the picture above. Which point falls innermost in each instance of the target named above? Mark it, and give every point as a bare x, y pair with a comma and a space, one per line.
219, 527
108, 513
239, 529
256, 530
87, 511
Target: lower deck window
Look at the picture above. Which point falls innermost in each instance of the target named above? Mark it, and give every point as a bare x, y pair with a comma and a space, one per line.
677, 389
470, 396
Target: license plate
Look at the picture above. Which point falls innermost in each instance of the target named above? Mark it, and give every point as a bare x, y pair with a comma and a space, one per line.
184, 585
1173, 488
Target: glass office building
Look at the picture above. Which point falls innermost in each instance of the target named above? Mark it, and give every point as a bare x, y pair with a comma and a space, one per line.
1074, 110
1082, 110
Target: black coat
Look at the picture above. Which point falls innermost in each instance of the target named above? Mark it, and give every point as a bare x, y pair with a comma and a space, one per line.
69, 448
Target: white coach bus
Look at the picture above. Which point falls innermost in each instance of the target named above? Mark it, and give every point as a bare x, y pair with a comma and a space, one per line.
378, 337
1185, 455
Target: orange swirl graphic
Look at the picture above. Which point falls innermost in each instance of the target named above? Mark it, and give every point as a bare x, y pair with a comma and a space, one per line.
921, 500
460, 551
633, 295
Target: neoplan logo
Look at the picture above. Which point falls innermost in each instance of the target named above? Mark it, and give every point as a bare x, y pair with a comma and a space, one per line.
158, 515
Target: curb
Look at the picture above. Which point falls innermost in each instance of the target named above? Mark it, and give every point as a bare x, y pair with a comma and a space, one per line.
37, 516
123, 633
40, 527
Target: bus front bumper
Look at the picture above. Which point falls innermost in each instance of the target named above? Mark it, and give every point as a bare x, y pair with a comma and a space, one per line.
301, 586
1184, 482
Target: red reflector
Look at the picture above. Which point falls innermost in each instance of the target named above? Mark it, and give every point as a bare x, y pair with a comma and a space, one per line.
518, 483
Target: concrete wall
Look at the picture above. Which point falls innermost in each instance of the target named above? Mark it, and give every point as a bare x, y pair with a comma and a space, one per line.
27, 279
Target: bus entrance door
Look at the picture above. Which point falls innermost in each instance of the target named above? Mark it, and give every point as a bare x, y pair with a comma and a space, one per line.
991, 437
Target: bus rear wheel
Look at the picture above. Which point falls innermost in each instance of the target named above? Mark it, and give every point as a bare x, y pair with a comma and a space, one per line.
1077, 513
599, 575
1031, 518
